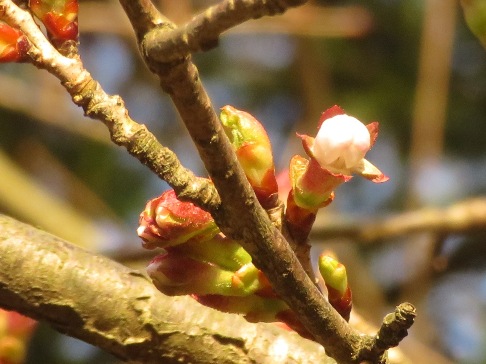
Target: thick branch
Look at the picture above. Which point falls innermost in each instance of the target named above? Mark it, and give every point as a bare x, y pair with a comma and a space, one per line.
464, 216
119, 310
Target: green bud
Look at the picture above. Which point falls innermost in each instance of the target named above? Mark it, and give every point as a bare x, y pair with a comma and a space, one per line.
219, 250
253, 150
334, 273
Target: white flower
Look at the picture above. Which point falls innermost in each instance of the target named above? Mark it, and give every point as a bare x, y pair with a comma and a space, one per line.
341, 144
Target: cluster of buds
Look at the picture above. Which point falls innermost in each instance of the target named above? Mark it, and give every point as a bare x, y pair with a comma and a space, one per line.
15, 332
200, 261
13, 44
335, 154
60, 17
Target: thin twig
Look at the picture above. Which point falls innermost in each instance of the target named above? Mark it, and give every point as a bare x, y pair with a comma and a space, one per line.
110, 109
462, 217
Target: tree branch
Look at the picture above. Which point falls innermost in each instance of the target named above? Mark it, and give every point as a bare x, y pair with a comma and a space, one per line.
97, 104
145, 18
119, 310
203, 31
254, 230
464, 216
270, 251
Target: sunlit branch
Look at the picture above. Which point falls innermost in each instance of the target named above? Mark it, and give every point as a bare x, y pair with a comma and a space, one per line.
203, 31
462, 217
119, 310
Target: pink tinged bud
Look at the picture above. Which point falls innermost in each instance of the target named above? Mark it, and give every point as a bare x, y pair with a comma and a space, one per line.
312, 185
15, 331
13, 44
335, 277
60, 17
167, 221
253, 150
176, 274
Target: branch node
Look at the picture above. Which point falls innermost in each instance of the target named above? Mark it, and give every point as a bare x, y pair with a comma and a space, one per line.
395, 326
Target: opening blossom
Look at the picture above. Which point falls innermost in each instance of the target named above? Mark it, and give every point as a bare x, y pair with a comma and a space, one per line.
336, 154
341, 144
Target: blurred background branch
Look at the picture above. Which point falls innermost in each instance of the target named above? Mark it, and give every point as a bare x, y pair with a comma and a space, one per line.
463, 217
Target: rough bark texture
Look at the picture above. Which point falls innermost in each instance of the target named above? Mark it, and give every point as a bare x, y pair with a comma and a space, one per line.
118, 309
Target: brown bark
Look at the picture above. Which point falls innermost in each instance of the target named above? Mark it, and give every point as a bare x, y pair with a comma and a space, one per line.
119, 310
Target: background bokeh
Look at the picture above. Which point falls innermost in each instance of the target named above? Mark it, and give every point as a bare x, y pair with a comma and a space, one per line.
412, 65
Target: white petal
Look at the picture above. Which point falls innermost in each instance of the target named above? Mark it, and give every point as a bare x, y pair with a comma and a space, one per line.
341, 142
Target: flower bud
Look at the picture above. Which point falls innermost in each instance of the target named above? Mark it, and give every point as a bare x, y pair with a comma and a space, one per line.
253, 150
341, 144
12, 350
336, 279
176, 274
167, 221
15, 331
13, 44
257, 309
60, 17
219, 250
254, 308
